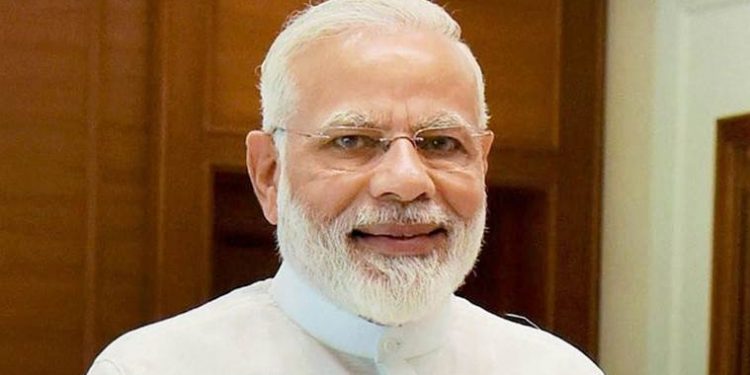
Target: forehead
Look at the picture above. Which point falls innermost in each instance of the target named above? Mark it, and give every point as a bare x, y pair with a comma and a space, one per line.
394, 76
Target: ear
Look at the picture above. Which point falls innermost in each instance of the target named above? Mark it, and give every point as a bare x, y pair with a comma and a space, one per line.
262, 166
486, 147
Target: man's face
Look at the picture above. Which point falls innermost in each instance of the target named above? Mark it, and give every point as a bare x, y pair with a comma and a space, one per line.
396, 80
393, 237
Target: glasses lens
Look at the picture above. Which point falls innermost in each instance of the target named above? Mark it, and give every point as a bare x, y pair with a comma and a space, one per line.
349, 148
447, 147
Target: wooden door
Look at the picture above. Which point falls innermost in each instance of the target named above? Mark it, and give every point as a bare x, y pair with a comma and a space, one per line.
730, 318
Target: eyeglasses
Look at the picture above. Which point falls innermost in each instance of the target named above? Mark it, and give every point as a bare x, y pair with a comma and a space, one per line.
352, 148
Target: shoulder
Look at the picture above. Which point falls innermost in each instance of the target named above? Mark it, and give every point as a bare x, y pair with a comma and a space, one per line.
202, 320
243, 318
526, 349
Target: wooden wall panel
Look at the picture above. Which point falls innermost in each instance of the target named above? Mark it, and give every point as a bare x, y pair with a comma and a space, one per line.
240, 33
43, 185
181, 175
124, 261
517, 44
74, 181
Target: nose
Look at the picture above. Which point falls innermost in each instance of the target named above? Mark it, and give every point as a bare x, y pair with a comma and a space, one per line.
401, 174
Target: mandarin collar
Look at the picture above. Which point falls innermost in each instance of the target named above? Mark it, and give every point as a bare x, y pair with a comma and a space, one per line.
346, 332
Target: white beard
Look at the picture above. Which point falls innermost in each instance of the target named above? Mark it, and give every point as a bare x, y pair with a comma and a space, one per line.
389, 290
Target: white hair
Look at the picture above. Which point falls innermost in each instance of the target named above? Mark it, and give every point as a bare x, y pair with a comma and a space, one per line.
334, 17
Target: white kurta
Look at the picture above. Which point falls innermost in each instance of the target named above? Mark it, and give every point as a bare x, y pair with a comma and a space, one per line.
283, 326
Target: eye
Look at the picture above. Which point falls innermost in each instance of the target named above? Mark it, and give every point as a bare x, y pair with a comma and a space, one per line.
353, 142
440, 144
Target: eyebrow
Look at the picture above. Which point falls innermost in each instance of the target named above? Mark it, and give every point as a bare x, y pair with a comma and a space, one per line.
441, 120
349, 118
357, 119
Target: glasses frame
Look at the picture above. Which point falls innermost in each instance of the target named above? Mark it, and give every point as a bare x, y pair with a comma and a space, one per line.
385, 142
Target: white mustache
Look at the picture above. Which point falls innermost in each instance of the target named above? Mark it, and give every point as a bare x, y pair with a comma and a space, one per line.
414, 213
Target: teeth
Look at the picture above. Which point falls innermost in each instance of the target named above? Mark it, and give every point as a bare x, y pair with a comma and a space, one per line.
359, 232
404, 236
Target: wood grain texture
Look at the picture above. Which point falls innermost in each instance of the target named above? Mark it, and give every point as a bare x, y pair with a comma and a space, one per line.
124, 247
239, 34
577, 211
43, 145
94, 22
74, 192
182, 276
518, 46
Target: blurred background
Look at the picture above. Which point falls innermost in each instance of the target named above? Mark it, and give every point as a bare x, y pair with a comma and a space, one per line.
124, 200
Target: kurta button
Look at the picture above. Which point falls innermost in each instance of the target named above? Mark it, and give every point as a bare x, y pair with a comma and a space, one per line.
391, 345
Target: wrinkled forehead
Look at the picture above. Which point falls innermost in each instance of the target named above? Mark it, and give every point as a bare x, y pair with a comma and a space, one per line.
375, 75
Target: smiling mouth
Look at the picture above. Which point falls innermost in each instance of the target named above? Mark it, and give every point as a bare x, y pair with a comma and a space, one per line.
399, 236
401, 240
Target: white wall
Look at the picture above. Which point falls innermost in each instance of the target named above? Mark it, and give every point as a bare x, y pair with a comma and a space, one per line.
673, 68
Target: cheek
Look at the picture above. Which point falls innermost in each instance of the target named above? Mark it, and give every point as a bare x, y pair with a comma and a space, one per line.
463, 192
325, 193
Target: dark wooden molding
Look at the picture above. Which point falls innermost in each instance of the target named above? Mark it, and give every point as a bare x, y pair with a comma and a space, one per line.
730, 318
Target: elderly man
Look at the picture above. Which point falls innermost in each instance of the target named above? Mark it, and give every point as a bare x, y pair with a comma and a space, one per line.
371, 163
